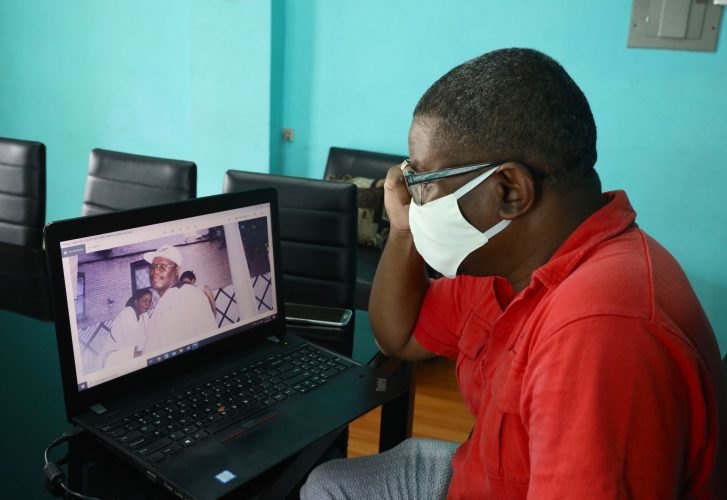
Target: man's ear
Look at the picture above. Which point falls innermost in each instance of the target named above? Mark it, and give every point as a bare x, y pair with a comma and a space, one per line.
516, 190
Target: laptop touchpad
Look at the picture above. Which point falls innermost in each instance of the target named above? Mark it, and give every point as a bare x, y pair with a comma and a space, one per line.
273, 430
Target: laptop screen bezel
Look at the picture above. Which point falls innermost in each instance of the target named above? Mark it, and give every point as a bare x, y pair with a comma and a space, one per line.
56, 232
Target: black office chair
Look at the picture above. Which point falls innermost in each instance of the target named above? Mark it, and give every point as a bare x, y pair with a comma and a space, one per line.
318, 242
367, 170
23, 270
121, 181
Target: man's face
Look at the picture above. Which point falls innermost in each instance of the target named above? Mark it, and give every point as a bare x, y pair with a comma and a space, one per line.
427, 155
479, 206
163, 273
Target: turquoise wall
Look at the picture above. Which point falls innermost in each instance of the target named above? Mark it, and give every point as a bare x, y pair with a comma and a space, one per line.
354, 71
187, 79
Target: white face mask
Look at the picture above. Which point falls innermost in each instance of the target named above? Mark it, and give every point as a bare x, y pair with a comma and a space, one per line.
442, 235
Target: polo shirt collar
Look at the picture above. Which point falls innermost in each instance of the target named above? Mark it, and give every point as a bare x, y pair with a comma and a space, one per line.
610, 221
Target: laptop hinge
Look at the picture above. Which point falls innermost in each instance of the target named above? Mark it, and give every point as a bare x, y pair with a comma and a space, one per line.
99, 408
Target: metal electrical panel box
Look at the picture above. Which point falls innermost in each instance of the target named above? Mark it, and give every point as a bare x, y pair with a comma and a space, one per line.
675, 24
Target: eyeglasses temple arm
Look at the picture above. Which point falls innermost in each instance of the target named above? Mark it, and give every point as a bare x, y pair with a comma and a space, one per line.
413, 178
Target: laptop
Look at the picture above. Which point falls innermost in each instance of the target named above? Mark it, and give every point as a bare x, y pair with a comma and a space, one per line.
194, 382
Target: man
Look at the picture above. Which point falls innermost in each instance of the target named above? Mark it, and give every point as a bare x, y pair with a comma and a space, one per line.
181, 311
582, 350
189, 278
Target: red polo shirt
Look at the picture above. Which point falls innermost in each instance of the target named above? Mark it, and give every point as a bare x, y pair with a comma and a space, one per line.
602, 379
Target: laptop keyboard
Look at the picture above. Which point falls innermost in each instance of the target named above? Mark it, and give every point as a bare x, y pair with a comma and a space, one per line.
245, 396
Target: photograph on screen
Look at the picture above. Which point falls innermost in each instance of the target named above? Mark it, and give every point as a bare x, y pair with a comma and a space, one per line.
150, 300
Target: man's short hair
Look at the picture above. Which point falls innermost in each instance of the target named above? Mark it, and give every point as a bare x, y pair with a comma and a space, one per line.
188, 275
518, 105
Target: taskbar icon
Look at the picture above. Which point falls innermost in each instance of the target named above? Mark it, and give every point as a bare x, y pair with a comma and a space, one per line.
172, 354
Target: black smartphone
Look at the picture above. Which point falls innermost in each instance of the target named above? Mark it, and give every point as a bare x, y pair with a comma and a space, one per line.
317, 315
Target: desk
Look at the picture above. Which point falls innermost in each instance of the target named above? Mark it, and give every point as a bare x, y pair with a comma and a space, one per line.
93, 470
30, 382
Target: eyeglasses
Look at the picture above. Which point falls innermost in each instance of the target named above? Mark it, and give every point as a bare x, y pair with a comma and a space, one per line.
161, 267
416, 182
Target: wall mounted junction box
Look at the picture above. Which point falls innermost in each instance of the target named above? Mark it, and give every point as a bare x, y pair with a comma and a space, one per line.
675, 24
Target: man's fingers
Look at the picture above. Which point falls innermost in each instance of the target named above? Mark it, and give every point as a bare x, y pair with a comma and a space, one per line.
395, 184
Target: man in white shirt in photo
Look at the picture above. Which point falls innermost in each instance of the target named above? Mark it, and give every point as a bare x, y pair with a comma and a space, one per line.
181, 311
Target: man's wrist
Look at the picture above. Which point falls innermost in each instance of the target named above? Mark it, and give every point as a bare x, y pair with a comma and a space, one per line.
400, 235
401, 243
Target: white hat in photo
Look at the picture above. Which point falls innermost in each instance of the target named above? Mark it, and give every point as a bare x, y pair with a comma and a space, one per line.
168, 252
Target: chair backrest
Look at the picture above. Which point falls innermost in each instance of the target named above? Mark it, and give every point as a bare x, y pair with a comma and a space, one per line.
121, 181
357, 163
397, 415
23, 270
317, 232
22, 192
366, 169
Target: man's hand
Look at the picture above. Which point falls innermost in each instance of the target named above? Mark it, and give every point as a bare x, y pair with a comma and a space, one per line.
400, 281
397, 200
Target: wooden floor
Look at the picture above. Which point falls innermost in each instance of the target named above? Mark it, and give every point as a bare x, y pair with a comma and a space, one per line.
439, 411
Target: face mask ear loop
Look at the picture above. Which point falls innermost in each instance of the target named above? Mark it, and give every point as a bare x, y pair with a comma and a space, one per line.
473, 184
496, 229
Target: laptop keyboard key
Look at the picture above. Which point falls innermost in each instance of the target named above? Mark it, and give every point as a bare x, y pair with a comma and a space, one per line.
132, 425
201, 435
131, 436
118, 432
190, 429
291, 373
172, 449
154, 446
135, 445
299, 378
112, 426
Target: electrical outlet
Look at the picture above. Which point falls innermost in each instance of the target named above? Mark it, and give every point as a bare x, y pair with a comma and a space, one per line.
288, 135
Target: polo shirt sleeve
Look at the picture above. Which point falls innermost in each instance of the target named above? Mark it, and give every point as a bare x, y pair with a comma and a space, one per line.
437, 327
603, 402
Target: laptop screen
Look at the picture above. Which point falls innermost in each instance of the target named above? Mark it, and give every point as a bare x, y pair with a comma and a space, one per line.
144, 295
